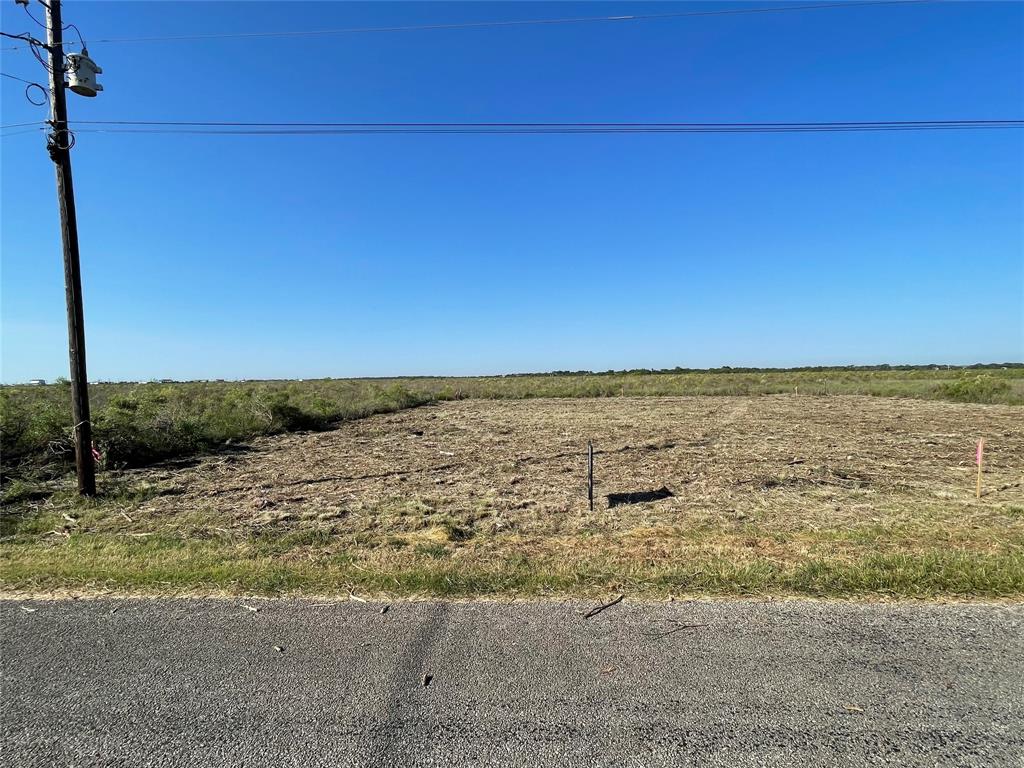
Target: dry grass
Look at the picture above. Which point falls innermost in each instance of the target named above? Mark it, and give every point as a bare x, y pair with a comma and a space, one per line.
777, 493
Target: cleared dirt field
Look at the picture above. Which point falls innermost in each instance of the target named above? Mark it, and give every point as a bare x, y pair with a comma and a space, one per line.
522, 464
761, 488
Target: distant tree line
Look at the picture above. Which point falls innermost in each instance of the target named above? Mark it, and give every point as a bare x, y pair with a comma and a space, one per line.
799, 369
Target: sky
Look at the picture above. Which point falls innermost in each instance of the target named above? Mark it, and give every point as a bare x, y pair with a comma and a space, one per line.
308, 256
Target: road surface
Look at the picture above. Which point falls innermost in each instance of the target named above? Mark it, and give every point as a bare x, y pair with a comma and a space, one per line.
176, 682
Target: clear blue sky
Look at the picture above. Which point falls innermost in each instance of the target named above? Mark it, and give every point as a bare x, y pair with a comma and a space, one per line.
229, 256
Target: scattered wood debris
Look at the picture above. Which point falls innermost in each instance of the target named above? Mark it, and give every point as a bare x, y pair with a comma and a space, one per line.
598, 609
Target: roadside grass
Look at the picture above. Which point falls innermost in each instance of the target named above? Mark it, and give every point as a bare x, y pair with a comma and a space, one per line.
170, 565
405, 549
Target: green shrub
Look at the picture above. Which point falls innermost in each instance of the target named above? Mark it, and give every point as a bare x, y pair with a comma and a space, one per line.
287, 416
398, 397
40, 429
138, 424
983, 388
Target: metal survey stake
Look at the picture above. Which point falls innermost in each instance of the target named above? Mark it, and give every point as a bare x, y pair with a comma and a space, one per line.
590, 474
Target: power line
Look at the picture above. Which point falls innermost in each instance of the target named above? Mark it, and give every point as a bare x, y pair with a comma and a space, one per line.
28, 90
22, 125
491, 124
191, 132
493, 24
34, 46
314, 129
66, 26
23, 36
21, 133
19, 79
299, 128
214, 128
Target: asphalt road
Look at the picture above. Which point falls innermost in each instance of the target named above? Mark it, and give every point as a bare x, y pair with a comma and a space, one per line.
200, 683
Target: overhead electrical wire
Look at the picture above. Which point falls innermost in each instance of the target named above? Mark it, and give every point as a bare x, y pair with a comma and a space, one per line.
23, 36
214, 128
21, 133
38, 123
315, 129
19, 79
33, 45
495, 24
37, 21
66, 27
29, 86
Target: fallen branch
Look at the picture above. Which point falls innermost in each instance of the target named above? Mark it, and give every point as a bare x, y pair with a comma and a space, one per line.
595, 611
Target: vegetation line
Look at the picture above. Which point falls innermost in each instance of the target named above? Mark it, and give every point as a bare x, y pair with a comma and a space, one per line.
139, 424
164, 567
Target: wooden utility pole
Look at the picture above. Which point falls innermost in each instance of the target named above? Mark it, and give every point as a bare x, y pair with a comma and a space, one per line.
59, 146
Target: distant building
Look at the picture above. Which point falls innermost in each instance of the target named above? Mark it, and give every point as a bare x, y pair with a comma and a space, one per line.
37, 382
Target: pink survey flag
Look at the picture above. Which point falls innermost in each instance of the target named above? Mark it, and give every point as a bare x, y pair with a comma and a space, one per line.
981, 450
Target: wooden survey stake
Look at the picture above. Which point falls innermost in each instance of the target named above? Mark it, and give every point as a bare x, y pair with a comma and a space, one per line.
979, 458
590, 474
